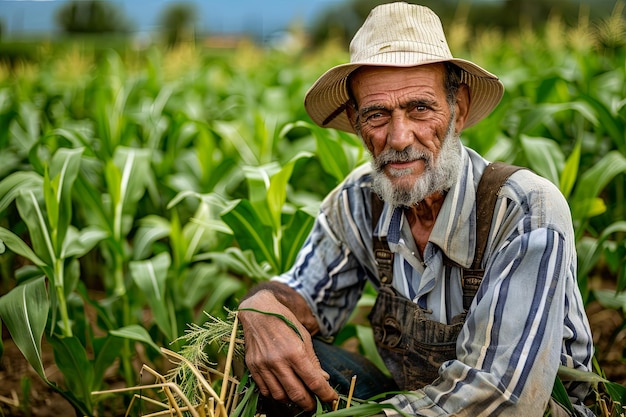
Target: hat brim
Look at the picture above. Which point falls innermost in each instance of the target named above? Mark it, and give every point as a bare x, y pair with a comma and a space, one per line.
325, 101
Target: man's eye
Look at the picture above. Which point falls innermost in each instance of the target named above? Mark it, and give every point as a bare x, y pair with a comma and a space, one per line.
420, 108
376, 119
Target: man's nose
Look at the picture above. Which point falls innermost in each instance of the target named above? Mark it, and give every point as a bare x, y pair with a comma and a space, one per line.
400, 133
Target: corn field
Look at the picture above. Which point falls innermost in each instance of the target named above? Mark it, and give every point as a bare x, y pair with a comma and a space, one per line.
144, 190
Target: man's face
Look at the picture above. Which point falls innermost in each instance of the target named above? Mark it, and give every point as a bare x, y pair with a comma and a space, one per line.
410, 130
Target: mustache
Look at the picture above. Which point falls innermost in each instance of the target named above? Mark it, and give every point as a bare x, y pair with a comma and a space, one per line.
407, 154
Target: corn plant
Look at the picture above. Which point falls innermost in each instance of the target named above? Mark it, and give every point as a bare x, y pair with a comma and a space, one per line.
44, 204
172, 181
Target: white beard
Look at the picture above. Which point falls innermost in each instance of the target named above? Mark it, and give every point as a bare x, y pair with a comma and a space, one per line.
438, 176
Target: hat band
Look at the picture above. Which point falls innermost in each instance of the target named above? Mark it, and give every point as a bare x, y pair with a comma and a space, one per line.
335, 113
402, 51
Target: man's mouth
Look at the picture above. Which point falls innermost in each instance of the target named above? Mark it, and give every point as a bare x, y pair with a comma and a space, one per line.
400, 161
401, 164
404, 163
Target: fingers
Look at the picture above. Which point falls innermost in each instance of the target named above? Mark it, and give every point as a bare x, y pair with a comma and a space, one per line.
293, 379
269, 386
282, 362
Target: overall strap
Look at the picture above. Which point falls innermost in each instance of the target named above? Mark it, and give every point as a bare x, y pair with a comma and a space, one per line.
492, 180
382, 253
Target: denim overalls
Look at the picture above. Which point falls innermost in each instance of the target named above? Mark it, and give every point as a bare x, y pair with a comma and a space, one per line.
412, 346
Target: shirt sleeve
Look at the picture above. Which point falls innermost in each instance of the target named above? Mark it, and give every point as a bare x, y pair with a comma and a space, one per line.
326, 275
336, 260
510, 348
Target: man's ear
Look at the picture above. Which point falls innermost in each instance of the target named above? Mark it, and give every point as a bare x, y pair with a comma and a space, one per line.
351, 113
462, 107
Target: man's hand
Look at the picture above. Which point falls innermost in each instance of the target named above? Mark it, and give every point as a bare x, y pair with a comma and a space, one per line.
283, 364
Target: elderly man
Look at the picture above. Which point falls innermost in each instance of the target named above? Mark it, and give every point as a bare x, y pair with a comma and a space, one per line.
462, 339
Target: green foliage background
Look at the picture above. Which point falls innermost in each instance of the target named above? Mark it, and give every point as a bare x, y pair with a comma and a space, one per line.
141, 187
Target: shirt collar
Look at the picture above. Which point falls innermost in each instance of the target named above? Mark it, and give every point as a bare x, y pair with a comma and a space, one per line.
454, 231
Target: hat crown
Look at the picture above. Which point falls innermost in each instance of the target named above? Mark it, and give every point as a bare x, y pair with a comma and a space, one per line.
398, 35
399, 27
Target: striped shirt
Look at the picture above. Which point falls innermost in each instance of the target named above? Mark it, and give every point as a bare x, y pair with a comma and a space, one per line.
526, 319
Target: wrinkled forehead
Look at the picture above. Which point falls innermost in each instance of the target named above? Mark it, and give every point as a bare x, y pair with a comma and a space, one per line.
366, 78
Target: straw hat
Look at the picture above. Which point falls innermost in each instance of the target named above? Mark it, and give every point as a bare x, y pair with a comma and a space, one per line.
398, 35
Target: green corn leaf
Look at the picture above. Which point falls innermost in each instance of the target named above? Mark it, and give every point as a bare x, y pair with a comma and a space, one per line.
544, 157
203, 230
611, 299
79, 242
230, 131
362, 410
258, 180
17, 245
207, 279
34, 217
211, 199
107, 350
205, 145
137, 333
151, 229
63, 171
177, 242
296, 232
92, 202
150, 276
264, 129
570, 170
74, 136
543, 112
71, 358
113, 177
52, 205
239, 262
26, 133
559, 393
71, 277
608, 119
250, 232
277, 193
247, 406
127, 178
135, 169
24, 310
332, 156
101, 308
590, 253
368, 344
617, 392
223, 287
591, 183
16, 183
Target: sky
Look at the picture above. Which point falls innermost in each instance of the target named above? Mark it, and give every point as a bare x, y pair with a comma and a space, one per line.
224, 16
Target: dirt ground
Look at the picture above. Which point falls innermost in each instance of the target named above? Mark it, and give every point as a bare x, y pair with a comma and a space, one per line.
36, 399
22, 393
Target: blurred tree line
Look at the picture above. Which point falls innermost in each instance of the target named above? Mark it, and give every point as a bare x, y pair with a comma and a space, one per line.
176, 21
343, 20
91, 17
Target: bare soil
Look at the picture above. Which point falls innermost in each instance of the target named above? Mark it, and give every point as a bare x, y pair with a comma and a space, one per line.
23, 394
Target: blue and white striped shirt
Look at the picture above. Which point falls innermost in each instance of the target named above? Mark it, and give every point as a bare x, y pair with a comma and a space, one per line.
526, 319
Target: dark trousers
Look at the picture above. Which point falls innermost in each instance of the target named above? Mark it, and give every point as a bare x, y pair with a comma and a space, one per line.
342, 365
